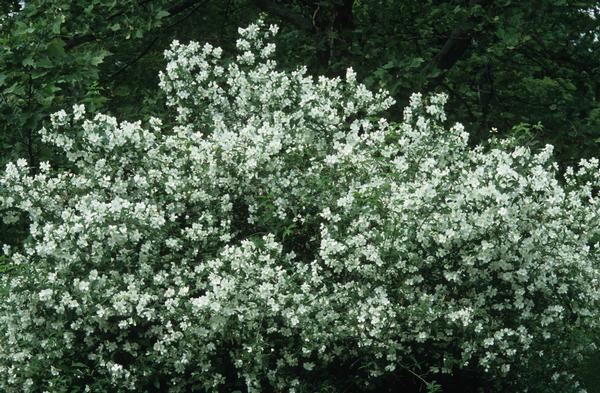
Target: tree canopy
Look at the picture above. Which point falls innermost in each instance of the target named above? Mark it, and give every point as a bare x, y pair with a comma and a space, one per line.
531, 68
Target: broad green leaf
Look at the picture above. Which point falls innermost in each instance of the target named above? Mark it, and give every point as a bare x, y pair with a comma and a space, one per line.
162, 14
56, 26
28, 61
44, 62
56, 48
16, 88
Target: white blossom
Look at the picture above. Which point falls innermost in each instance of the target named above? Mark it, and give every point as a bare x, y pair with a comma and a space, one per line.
282, 227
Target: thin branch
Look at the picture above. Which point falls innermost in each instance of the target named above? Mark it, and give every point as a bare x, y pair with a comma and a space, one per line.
173, 10
143, 53
147, 49
177, 8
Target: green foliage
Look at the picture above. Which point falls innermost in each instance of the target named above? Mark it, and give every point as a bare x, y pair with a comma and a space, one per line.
521, 62
51, 53
102, 53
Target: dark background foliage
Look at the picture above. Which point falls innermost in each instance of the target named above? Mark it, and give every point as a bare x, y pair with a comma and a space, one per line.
529, 68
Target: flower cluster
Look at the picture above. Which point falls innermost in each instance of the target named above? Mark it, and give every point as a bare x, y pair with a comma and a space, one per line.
284, 236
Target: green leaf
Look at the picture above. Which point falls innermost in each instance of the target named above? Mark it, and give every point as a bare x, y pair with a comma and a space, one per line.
46, 100
56, 26
51, 89
415, 62
27, 62
44, 62
162, 14
2, 79
38, 74
96, 58
56, 48
15, 88
389, 65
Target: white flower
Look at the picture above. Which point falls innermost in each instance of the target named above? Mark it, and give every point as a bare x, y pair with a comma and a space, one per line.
78, 112
45, 294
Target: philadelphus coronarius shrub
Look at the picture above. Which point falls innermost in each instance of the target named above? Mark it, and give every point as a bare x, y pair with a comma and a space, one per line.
282, 236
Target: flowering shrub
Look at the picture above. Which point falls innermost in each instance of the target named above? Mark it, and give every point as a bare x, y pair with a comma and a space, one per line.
282, 236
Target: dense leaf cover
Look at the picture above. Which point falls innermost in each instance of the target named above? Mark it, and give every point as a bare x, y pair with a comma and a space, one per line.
532, 65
